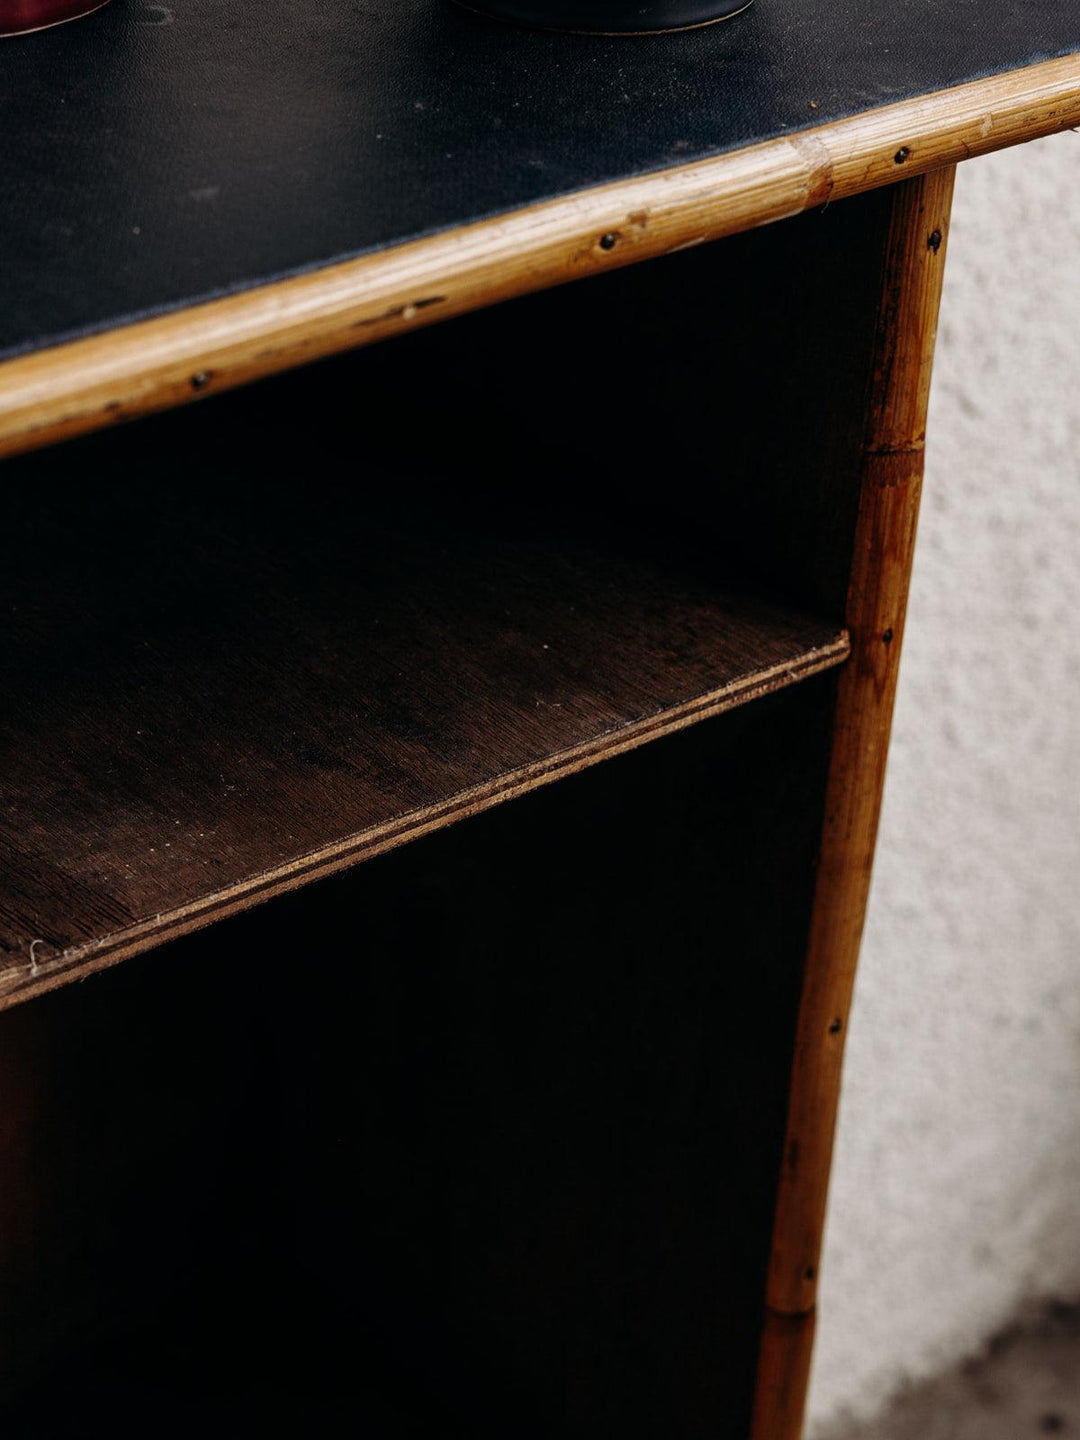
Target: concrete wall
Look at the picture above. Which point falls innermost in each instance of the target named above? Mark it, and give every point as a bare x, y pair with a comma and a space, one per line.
956, 1192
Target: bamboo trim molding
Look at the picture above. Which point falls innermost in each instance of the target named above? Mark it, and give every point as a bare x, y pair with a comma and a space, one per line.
71, 388
890, 489
783, 1378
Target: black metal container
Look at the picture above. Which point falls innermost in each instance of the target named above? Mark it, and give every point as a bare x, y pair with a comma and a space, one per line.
611, 17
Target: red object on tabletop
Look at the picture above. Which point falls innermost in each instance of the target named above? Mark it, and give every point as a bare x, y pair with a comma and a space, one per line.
17, 17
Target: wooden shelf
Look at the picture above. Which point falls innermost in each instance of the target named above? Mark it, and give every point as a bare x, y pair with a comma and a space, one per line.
219, 687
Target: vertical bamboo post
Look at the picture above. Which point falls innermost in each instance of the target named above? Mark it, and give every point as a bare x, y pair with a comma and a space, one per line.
890, 483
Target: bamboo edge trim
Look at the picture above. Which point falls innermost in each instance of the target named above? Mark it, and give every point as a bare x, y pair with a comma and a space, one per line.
787, 1347
877, 601
154, 364
890, 487
33, 977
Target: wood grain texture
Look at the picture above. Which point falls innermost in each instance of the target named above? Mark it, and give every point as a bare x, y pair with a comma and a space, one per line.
787, 1346
72, 388
216, 690
884, 545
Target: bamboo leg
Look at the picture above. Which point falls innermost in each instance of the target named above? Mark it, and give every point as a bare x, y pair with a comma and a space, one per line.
890, 485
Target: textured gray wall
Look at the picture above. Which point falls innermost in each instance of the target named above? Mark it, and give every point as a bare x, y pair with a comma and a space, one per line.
956, 1192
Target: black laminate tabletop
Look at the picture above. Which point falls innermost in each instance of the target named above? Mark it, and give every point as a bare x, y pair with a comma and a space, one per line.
156, 155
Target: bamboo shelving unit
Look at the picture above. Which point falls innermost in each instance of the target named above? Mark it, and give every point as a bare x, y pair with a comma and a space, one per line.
522, 1127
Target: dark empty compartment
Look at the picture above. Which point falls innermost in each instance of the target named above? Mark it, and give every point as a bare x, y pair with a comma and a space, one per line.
478, 1139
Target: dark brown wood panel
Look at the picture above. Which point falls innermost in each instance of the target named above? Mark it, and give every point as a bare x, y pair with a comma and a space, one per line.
221, 678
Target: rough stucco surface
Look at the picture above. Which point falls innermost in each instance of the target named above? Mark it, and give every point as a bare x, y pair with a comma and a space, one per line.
956, 1191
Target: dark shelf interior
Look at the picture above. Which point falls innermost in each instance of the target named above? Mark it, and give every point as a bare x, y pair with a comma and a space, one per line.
271, 634
477, 1140
252, 643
